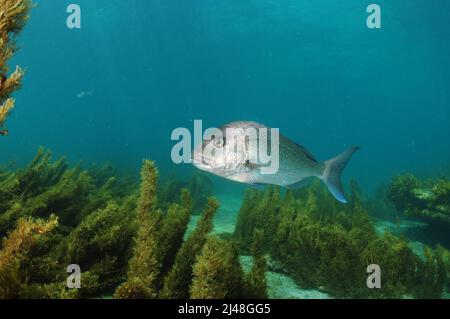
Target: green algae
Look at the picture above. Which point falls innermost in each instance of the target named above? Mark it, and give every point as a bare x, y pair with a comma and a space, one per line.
428, 200
325, 245
126, 240
131, 242
217, 274
13, 17
280, 285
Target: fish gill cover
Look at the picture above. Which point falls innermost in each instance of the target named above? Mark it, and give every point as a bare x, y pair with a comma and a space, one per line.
111, 90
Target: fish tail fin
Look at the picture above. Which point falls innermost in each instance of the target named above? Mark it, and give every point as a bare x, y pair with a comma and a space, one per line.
332, 173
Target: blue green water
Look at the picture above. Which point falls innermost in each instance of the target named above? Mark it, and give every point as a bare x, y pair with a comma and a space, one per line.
116, 88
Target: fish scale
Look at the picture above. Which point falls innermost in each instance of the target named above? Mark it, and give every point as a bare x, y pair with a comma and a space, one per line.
296, 163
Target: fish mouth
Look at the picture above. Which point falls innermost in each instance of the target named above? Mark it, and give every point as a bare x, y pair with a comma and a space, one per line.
208, 164
200, 161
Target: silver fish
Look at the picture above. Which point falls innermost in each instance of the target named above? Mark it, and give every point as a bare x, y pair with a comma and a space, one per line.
296, 163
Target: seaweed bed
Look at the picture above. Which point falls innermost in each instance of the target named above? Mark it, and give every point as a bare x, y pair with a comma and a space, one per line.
325, 245
130, 242
126, 241
136, 239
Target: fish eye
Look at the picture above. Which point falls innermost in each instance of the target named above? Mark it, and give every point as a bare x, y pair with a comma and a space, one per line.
219, 142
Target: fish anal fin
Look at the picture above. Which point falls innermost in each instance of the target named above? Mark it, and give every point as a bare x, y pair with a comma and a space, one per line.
300, 184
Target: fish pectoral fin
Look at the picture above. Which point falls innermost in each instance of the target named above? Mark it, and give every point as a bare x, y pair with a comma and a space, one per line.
302, 183
252, 165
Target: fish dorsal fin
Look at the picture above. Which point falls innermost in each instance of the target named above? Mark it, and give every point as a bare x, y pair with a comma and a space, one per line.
292, 147
297, 148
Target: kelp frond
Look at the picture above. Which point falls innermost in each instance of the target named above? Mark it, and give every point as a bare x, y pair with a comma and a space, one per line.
13, 16
15, 249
